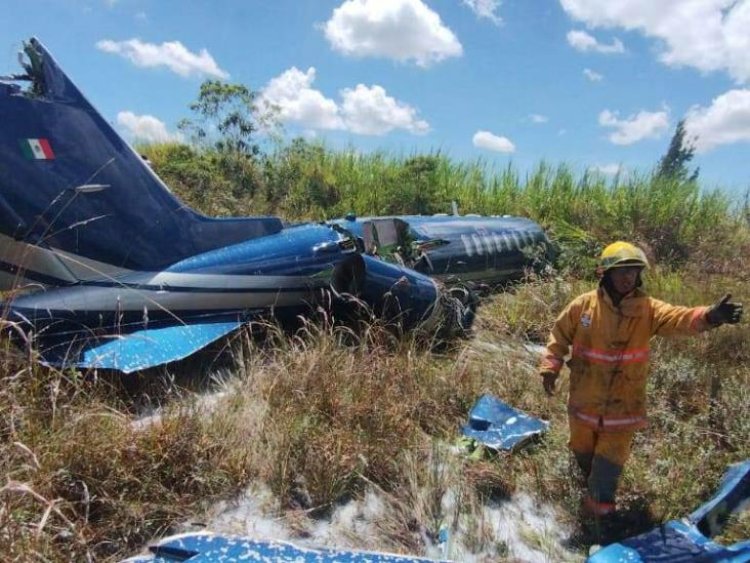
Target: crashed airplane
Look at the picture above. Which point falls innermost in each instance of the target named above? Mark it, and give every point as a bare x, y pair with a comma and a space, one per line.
104, 268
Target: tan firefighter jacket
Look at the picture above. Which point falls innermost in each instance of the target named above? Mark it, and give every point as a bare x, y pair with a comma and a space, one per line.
609, 348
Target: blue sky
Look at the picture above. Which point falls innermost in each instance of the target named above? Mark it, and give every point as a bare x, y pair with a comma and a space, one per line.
590, 83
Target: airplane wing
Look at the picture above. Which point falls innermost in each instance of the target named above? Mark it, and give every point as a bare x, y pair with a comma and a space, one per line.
133, 351
205, 547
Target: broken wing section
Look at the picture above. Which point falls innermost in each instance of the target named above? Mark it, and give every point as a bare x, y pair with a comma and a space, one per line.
690, 539
205, 546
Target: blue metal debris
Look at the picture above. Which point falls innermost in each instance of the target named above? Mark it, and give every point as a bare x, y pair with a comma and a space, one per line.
144, 348
686, 540
499, 426
204, 547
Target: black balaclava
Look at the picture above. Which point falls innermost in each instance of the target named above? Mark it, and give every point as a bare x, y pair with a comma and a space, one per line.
606, 283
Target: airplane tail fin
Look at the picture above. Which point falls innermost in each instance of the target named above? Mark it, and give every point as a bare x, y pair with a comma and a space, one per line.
77, 193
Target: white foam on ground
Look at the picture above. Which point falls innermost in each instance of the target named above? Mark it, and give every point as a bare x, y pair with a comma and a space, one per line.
520, 529
204, 403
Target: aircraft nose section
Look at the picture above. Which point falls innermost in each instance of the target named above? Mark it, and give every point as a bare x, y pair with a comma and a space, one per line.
405, 297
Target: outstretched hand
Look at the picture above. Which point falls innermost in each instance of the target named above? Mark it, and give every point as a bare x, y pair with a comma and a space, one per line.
724, 311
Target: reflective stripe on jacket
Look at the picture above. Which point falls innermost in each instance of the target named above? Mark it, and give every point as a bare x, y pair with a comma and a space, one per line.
609, 348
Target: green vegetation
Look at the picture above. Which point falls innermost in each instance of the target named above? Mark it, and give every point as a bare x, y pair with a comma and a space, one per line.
303, 180
324, 415
681, 151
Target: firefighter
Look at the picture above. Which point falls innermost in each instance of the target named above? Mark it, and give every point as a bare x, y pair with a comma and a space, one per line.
607, 331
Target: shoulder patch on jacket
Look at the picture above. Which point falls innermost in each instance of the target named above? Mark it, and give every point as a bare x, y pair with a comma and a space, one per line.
586, 320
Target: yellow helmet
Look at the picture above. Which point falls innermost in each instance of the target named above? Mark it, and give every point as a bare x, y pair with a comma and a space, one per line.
620, 254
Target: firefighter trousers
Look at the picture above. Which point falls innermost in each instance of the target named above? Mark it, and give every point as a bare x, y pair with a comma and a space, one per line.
601, 456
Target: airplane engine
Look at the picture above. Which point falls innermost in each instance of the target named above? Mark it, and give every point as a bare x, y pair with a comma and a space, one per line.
401, 296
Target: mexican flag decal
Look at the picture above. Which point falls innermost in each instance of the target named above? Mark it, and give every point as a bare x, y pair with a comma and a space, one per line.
37, 149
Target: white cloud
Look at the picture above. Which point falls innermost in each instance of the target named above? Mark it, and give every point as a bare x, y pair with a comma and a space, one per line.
644, 125
370, 111
145, 128
537, 118
725, 121
582, 41
363, 110
492, 142
297, 101
485, 9
403, 30
592, 75
171, 54
706, 34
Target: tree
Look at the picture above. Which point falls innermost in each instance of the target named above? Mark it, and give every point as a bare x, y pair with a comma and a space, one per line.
420, 184
226, 123
673, 165
228, 118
